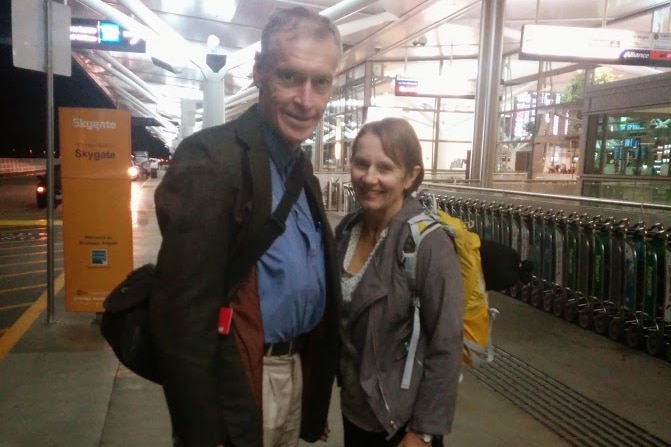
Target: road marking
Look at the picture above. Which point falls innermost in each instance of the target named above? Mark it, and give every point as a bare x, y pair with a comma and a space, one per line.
26, 263
15, 289
27, 223
30, 272
14, 306
35, 253
16, 331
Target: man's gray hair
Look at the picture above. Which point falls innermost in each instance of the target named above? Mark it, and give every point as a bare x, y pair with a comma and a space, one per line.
298, 21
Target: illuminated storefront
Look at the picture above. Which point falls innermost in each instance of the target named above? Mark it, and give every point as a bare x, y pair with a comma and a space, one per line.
628, 140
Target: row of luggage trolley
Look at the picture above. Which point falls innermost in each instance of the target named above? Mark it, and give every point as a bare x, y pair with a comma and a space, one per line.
609, 275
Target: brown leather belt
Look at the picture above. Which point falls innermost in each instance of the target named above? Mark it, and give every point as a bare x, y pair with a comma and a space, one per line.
282, 348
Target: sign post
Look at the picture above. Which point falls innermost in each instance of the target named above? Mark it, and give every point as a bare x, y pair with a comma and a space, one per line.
40, 42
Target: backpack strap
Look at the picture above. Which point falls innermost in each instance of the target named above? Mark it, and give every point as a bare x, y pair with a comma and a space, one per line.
420, 226
478, 354
412, 347
273, 227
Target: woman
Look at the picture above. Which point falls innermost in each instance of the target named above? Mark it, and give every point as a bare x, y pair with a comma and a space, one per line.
386, 167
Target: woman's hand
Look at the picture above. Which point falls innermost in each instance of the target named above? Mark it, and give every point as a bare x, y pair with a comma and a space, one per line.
327, 432
412, 440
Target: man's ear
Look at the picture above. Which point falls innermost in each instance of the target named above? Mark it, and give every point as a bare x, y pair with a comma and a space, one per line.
257, 69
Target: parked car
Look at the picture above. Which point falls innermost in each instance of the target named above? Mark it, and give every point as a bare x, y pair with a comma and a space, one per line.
138, 170
153, 167
41, 188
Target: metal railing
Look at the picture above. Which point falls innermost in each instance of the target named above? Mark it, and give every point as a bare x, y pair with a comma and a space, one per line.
650, 213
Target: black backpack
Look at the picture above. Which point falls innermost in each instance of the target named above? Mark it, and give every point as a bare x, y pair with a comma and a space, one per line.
125, 323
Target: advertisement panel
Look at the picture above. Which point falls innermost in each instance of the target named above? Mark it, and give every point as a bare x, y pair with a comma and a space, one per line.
435, 87
595, 45
95, 148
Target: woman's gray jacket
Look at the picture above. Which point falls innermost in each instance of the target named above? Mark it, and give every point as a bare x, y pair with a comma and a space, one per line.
381, 319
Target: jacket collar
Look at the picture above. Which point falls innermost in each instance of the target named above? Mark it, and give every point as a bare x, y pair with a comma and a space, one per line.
249, 128
411, 207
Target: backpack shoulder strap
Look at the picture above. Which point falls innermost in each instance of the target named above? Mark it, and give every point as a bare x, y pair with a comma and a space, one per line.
420, 226
273, 227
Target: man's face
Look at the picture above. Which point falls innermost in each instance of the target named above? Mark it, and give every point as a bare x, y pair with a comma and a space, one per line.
295, 86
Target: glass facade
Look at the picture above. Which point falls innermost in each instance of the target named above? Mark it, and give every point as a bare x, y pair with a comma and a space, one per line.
544, 131
443, 120
638, 145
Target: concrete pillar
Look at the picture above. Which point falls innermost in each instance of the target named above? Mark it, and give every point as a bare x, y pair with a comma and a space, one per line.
188, 117
213, 101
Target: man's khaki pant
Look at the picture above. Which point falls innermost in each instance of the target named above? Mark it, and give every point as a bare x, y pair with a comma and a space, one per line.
282, 390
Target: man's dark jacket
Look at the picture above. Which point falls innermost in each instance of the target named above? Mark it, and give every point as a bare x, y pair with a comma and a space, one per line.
210, 205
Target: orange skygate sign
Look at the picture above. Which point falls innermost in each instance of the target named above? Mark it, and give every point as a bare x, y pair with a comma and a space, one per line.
95, 148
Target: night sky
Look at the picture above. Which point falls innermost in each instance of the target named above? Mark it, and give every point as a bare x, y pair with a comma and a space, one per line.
23, 102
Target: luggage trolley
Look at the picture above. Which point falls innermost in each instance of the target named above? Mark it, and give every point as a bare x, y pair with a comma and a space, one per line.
534, 221
547, 257
475, 214
557, 282
461, 208
506, 223
632, 281
519, 241
614, 290
568, 227
581, 227
644, 318
496, 221
600, 234
526, 220
656, 327
667, 297
487, 224
452, 207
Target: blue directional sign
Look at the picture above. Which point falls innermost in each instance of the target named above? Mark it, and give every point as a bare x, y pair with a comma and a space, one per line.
104, 35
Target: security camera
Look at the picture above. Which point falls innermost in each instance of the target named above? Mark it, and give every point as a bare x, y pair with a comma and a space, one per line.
421, 40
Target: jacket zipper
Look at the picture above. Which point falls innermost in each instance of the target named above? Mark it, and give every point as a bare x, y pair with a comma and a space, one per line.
379, 385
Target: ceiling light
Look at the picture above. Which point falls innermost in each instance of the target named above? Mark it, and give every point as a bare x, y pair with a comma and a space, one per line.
212, 42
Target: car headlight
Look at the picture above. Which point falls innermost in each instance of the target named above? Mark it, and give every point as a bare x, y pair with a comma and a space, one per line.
132, 171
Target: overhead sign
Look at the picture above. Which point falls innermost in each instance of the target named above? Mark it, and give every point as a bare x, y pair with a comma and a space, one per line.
434, 87
596, 45
98, 234
104, 35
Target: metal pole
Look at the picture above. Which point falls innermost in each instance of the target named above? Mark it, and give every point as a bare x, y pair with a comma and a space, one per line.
49, 68
493, 17
486, 93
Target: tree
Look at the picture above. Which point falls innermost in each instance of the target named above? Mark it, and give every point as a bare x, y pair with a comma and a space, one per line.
575, 90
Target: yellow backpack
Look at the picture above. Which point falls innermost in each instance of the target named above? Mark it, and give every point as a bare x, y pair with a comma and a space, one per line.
478, 316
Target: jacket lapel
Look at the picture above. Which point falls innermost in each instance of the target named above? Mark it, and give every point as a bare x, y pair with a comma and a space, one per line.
249, 133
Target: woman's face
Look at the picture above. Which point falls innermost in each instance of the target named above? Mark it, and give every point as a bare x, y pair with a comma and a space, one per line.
379, 183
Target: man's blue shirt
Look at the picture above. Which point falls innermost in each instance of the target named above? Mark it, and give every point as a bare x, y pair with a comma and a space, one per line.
291, 273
